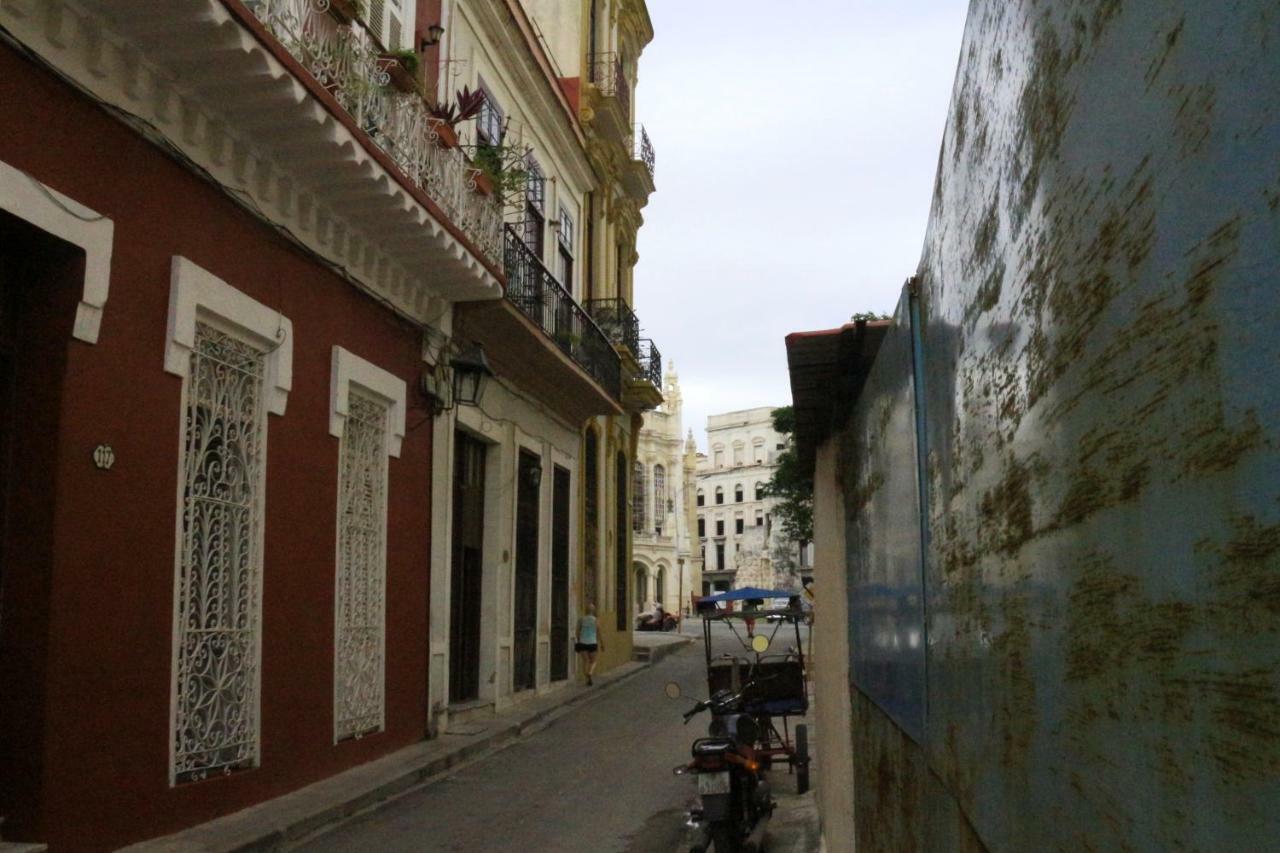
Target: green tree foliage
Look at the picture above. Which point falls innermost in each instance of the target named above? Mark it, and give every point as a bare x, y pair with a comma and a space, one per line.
868, 315
791, 483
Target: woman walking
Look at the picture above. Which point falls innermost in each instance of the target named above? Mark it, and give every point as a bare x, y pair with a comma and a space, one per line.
587, 640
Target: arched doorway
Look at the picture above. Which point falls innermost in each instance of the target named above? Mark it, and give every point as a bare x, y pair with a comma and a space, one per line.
660, 587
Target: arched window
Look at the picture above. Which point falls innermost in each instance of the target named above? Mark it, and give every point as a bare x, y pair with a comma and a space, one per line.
719, 495
702, 498
639, 517
737, 493
759, 491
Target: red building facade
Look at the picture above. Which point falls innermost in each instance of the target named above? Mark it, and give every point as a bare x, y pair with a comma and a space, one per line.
216, 493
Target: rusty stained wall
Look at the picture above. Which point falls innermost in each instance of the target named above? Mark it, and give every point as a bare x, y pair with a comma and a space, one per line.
1101, 346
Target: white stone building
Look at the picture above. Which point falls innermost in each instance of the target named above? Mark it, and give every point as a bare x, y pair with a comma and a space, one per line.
734, 518
665, 558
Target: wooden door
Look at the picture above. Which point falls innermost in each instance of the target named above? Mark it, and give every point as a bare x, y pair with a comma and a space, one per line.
528, 477
560, 575
467, 569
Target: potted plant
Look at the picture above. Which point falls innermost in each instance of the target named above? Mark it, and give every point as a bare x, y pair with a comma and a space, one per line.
403, 67
346, 11
496, 175
467, 104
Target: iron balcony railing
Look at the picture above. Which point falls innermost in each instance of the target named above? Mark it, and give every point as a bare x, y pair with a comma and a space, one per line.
535, 291
617, 320
607, 75
644, 150
348, 61
650, 362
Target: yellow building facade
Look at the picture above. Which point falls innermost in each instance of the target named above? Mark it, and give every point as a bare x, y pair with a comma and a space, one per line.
555, 435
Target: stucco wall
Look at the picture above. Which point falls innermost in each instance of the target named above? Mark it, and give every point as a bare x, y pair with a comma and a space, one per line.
1097, 294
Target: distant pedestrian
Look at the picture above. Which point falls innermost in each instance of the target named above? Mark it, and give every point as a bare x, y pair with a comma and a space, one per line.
587, 640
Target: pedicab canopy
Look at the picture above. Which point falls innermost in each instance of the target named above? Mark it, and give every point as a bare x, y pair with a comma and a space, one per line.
746, 594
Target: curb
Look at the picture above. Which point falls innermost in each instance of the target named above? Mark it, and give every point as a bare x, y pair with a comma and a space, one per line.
290, 819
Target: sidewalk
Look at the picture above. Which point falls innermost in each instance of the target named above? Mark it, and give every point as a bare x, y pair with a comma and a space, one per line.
285, 821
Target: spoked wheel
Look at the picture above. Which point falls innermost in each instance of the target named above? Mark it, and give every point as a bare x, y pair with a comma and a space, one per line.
801, 758
724, 840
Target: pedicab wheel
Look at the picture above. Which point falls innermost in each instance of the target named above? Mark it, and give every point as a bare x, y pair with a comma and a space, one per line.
723, 840
801, 758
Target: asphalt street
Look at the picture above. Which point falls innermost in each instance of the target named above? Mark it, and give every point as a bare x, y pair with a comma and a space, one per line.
596, 779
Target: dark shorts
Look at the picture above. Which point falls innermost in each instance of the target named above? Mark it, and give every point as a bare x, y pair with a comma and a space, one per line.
584, 647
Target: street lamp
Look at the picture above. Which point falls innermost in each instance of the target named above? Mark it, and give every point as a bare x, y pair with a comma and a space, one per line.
432, 38
470, 369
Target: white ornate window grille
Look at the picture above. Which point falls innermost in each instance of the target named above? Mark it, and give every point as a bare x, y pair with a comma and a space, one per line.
360, 605
218, 600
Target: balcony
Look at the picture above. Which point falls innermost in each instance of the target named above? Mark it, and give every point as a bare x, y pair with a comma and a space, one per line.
641, 361
609, 98
289, 110
616, 319
650, 363
353, 67
540, 338
637, 176
542, 298
644, 151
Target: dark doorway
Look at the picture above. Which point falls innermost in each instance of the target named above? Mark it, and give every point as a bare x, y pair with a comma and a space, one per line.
467, 569
623, 528
560, 575
41, 279
590, 518
529, 479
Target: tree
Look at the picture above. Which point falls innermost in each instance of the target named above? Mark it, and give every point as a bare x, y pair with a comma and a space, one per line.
791, 483
868, 315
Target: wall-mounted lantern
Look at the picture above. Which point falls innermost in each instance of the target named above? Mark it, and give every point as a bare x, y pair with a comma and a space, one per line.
434, 33
470, 369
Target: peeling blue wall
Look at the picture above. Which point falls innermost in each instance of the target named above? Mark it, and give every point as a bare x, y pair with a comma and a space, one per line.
1100, 306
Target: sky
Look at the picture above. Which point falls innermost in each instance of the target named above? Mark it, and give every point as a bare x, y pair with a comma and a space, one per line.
796, 149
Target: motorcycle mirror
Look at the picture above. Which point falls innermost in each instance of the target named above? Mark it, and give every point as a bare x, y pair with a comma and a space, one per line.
672, 690
760, 644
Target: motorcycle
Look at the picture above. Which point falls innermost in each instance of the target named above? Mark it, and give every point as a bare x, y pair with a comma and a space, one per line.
735, 796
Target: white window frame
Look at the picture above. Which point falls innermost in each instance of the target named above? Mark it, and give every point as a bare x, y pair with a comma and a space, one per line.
349, 370
68, 220
197, 295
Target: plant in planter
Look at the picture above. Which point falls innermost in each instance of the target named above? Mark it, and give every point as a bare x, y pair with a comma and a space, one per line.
499, 170
467, 104
403, 66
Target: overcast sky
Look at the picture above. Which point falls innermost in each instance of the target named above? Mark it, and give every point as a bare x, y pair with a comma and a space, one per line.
796, 149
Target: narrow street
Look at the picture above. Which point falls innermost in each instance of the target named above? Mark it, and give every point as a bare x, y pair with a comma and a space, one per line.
599, 779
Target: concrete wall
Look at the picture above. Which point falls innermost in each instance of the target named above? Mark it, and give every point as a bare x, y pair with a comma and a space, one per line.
832, 742
1097, 342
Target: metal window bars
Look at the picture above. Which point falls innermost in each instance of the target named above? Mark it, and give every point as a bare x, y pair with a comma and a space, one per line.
539, 295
